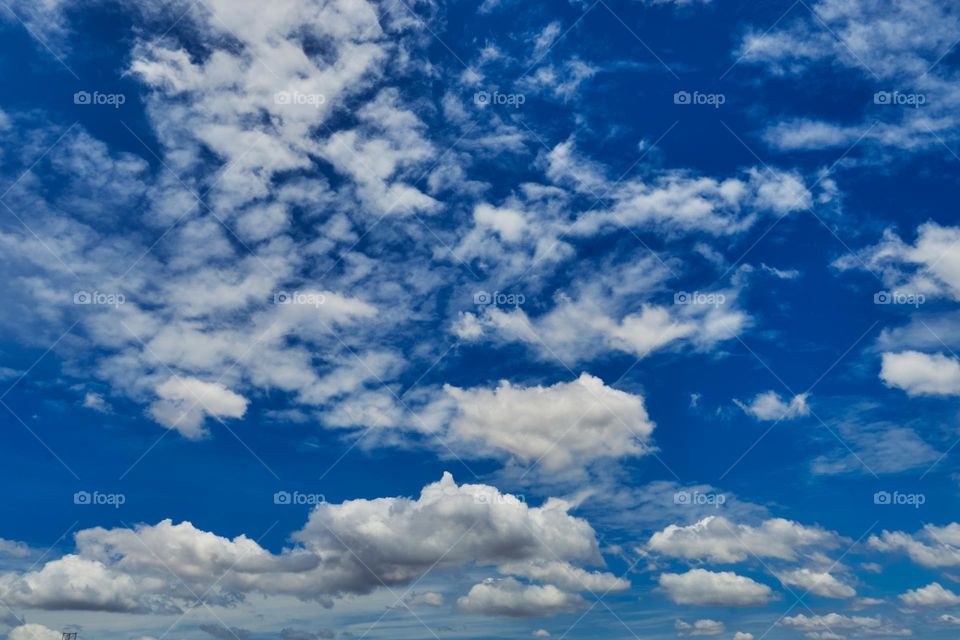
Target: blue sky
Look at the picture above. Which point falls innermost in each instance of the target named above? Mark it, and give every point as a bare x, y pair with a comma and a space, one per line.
422, 319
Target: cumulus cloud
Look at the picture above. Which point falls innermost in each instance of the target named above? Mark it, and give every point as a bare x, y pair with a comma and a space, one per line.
508, 597
33, 632
348, 548
932, 595
715, 589
185, 402
820, 583
562, 425
771, 407
717, 539
921, 374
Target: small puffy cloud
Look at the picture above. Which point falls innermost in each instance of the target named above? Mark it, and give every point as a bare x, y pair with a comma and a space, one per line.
700, 628
819, 583
95, 402
32, 632
770, 406
921, 374
715, 589
932, 595
563, 425
717, 539
742, 635
185, 402
508, 597
541, 633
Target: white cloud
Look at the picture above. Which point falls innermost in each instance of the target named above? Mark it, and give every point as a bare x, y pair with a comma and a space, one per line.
541, 633
820, 583
346, 548
932, 595
742, 635
771, 407
185, 402
96, 402
507, 597
921, 374
717, 539
700, 628
563, 425
929, 267
715, 589
33, 632
932, 547
824, 626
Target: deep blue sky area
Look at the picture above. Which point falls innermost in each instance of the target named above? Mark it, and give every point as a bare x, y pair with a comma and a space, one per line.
669, 287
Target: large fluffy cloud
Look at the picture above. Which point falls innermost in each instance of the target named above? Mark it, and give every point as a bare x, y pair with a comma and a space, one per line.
348, 548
